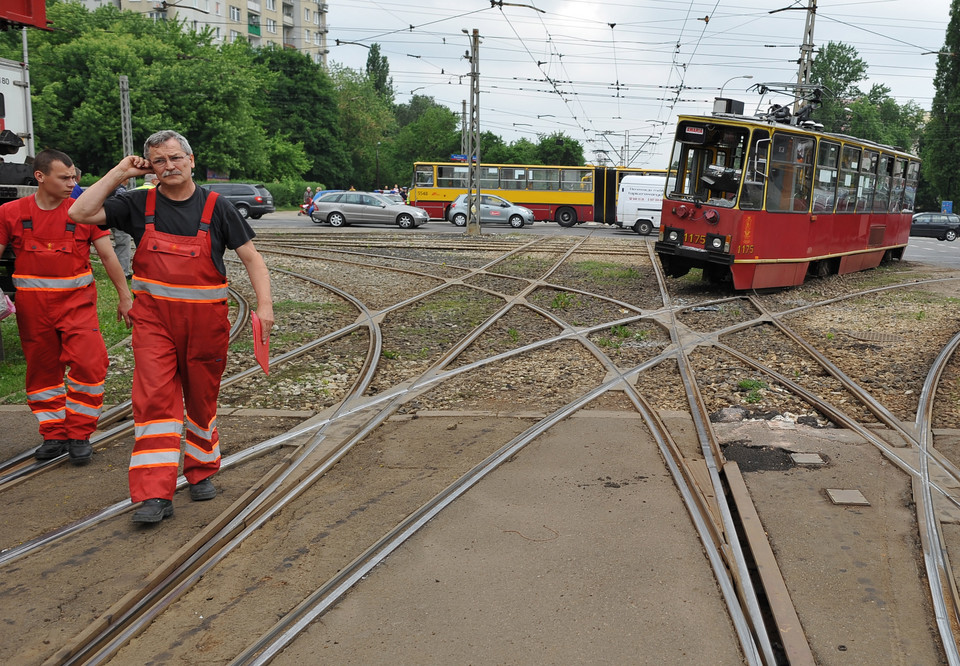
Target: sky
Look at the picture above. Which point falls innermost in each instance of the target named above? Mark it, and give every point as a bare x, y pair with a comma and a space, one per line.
615, 74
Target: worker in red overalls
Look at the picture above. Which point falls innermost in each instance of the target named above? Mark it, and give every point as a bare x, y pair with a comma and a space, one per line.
180, 327
57, 308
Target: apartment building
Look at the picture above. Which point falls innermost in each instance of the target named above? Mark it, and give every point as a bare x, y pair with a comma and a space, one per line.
293, 24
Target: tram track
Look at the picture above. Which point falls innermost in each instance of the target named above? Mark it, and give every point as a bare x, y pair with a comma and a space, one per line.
361, 415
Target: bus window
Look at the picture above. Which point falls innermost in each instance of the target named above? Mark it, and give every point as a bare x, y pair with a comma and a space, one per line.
897, 185
751, 194
512, 178
849, 179
576, 180
910, 189
543, 179
825, 180
868, 181
489, 178
791, 173
881, 199
423, 177
452, 176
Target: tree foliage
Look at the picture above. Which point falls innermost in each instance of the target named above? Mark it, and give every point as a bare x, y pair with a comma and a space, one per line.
847, 109
268, 114
941, 166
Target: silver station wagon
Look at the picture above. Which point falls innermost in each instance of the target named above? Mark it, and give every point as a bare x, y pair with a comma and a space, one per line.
342, 208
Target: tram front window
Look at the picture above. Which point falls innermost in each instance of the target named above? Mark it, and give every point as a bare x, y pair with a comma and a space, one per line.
710, 160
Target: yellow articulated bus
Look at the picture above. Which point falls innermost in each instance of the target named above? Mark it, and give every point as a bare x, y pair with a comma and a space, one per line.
567, 195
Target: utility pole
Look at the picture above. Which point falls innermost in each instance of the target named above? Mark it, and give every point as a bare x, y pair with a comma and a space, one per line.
473, 138
806, 54
463, 127
126, 131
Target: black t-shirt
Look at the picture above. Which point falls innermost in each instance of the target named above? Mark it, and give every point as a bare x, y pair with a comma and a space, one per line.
228, 229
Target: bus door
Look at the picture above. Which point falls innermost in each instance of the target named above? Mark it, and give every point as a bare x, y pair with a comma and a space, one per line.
605, 195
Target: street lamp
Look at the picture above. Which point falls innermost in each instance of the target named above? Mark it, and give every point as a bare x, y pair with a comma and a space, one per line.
376, 185
745, 76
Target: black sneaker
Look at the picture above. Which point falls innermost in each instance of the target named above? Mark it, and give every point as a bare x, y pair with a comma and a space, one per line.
50, 449
202, 491
153, 511
80, 451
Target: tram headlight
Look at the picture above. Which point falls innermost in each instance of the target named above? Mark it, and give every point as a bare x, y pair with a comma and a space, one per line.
716, 243
672, 235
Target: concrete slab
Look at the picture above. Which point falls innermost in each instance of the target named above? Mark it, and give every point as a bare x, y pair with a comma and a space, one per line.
570, 553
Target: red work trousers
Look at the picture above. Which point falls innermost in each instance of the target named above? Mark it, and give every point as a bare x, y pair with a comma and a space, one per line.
180, 351
60, 329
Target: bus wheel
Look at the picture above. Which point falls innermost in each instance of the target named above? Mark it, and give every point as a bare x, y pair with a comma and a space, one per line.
566, 217
643, 227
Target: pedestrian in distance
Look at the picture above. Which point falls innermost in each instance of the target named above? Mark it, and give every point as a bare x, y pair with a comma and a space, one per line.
56, 300
180, 327
307, 200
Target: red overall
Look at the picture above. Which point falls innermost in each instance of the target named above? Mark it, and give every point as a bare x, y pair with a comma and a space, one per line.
57, 318
180, 337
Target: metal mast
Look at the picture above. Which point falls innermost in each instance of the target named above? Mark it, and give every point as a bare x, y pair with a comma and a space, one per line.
126, 131
473, 138
806, 53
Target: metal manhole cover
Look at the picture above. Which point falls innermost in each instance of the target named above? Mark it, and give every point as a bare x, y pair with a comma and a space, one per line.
873, 336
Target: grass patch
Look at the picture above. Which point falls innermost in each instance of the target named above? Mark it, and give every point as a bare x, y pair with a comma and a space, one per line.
605, 271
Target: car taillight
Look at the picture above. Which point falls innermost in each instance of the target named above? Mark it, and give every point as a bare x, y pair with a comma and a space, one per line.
258, 199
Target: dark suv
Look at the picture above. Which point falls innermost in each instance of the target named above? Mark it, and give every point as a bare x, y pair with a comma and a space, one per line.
251, 200
942, 226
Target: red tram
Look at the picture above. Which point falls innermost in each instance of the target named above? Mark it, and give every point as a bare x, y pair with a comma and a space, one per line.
765, 201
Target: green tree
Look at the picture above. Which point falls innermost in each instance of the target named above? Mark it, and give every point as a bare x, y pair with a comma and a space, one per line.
304, 110
178, 80
846, 108
558, 148
378, 71
941, 161
366, 118
838, 68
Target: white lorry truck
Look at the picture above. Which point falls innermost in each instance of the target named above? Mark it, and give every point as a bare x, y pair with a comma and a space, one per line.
16, 167
638, 203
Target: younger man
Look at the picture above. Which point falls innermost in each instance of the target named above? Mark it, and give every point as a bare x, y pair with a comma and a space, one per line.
57, 308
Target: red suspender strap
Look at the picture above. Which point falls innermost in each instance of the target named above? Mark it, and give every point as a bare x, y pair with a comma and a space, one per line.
151, 203
208, 210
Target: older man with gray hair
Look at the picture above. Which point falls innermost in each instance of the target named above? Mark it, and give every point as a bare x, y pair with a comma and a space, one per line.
180, 327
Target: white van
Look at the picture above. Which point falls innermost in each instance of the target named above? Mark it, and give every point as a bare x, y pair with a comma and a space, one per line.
639, 201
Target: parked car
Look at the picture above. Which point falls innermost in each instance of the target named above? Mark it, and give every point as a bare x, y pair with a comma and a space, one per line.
942, 226
340, 208
393, 196
492, 209
251, 200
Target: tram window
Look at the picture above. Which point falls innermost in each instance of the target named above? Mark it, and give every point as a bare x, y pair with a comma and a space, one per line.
825, 180
849, 179
543, 179
910, 189
868, 181
424, 175
791, 173
709, 159
452, 176
489, 178
881, 198
513, 179
897, 185
751, 194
